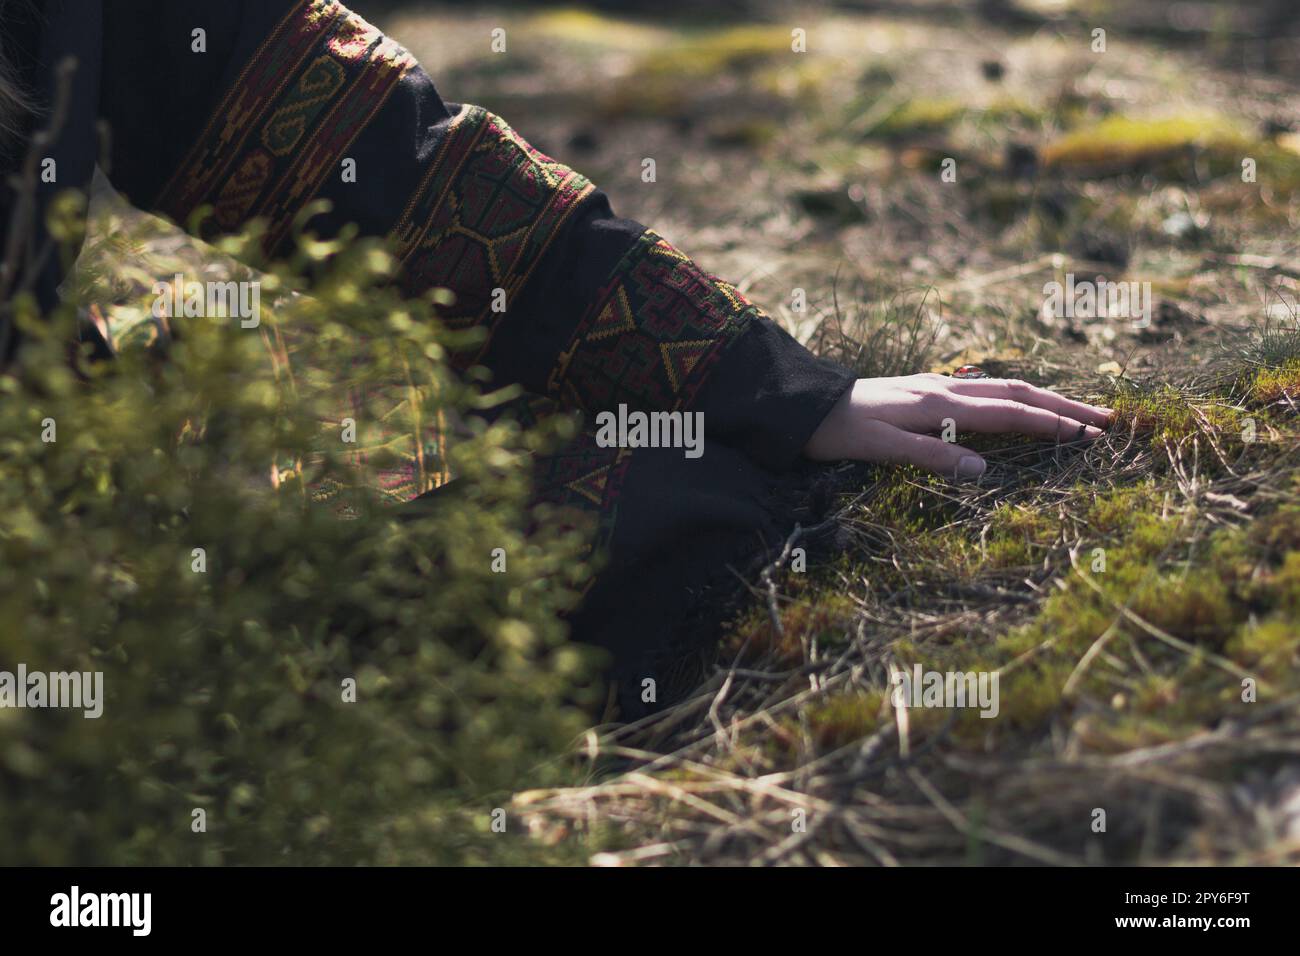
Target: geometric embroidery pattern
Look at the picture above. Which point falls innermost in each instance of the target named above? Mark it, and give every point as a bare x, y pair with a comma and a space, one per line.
302, 99
651, 335
580, 475
487, 210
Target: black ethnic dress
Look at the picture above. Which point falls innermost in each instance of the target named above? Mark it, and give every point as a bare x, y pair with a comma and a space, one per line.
603, 312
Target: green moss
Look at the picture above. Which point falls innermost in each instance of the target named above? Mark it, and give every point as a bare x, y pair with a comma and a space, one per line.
1279, 535
1169, 414
1196, 607
1268, 385
1031, 695
1019, 535
588, 28
1115, 510
674, 72
924, 116
1207, 607
1213, 607
906, 500
745, 132
715, 51
843, 718
1272, 646
918, 117
808, 612
1124, 142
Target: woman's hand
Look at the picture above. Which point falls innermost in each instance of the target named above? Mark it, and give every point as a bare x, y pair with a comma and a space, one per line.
893, 420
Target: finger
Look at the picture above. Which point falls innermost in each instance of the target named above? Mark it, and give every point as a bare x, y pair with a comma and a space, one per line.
1017, 391
1000, 415
884, 443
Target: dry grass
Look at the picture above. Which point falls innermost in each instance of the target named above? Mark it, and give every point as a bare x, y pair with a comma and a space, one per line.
1120, 689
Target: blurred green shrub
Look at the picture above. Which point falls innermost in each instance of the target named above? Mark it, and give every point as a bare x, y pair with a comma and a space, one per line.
225, 681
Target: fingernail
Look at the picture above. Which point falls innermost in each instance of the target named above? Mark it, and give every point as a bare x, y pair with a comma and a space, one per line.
1091, 431
970, 467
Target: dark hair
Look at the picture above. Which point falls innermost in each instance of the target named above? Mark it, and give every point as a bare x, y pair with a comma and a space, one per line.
14, 101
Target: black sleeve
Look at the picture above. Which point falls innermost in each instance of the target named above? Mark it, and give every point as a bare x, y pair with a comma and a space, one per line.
288, 101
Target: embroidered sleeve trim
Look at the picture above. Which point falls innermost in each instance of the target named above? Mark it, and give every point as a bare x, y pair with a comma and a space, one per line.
651, 335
